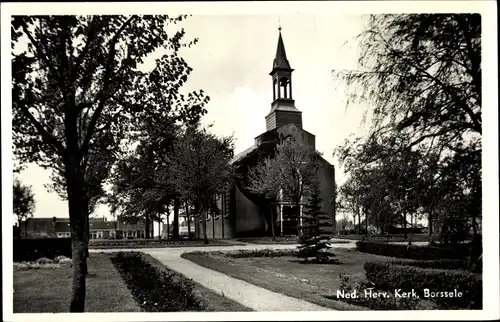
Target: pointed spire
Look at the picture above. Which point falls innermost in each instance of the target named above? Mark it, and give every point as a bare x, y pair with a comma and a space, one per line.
280, 61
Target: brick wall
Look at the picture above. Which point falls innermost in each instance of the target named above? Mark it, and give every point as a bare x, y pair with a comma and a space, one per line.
288, 117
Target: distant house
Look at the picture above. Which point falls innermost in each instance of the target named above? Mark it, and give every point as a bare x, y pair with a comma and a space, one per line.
45, 228
99, 228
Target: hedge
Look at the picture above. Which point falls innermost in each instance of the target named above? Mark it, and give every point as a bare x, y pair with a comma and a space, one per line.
155, 287
412, 251
27, 250
438, 263
389, 276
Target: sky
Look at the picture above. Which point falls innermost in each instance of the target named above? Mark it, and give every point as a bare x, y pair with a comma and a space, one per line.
231, 63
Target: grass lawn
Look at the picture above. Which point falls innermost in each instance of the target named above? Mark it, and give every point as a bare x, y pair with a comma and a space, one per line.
277, 240
269, 240
286, 275
393, 238
49, 289
155, 243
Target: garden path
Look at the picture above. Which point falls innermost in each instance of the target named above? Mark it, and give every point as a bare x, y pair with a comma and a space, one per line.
249, 295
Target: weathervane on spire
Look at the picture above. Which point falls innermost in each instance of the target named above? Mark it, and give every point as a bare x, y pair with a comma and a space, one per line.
279, 24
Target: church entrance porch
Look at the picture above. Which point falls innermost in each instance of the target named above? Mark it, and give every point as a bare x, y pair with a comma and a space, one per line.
289, 219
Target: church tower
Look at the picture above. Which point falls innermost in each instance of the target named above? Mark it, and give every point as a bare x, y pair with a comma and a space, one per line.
283, 110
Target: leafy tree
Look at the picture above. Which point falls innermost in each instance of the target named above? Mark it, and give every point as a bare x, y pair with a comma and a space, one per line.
421, 74
388, 182
144, 179
290, 174
385, 180
313, 242
77, 80
344, 223
23, 203
200, 168
459, 205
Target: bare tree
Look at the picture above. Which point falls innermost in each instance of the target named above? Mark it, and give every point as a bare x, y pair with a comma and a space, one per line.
290, 174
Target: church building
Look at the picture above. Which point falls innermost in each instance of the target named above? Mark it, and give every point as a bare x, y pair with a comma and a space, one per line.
244, 214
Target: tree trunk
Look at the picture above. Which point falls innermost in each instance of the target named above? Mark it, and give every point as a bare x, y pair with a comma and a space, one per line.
474, 227
213, 224
366, 223
334, 213
299, 225
359, 221
188, 220
223, 213
404, 225
386, 223
159, 228
204, 225
146, 221
77, 214
429, 224
272, 223
168, 226
86, 236
175, 224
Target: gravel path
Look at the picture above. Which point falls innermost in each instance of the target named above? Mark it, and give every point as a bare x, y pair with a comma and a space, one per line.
249, 295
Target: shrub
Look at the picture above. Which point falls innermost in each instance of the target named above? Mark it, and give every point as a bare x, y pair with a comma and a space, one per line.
389, 276
41, 264
31, 249
44, 260
62, 258
155, 287
413, 252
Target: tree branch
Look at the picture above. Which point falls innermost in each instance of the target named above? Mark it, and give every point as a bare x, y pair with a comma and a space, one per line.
85, 50
48, 138
449, 89
104, 92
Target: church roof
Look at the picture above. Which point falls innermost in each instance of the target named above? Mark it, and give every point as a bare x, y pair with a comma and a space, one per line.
280, 61
284, 107
243, 154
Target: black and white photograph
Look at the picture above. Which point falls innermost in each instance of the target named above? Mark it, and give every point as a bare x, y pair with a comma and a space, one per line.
177, 161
